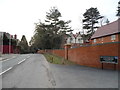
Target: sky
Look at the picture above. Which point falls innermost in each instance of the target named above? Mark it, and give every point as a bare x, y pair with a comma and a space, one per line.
19, 16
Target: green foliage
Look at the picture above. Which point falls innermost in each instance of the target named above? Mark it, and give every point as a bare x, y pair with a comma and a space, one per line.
118, 13
5, 39
8, 41
57, 60
53, 14
107, 21
13, 42
49, 35
91, 17
24, 48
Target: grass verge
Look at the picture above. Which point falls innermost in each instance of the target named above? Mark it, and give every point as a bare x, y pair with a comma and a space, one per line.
57, 60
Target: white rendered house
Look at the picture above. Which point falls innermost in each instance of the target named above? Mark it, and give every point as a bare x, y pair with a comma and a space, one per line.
74, 38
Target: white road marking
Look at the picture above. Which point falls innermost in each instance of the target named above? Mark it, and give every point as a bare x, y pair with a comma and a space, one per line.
5, 70
28, 57
21, 61
8, 59
12, 67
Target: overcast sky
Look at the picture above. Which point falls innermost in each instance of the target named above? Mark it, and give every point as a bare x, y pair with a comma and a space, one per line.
18, 16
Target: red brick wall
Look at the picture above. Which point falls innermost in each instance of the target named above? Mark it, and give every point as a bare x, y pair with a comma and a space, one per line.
89, 56
59, 52
41, 51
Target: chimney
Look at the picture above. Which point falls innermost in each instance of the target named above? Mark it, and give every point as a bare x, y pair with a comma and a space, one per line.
11, 36
15, 36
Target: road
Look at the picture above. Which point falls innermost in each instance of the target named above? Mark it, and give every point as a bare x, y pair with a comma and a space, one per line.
10, 62
33, 71
27, 71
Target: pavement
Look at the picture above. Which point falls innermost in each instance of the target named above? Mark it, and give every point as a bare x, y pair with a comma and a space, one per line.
33, 71
76, 76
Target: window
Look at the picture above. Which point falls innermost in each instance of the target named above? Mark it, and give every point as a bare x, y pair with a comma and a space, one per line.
94, 40
112, 37
78, 39
102, 39
71, 39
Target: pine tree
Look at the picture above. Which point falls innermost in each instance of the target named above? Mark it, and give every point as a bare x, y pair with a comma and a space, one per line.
118, 13
91, 17
56, 27
107, 21
49, 35
54, 22
24, 45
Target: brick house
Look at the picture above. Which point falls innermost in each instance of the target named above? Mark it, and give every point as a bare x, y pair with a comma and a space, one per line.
8, 43
107, 33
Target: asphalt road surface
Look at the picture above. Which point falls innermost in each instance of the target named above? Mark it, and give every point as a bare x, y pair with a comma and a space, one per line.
33, 71
76, 76
27, 71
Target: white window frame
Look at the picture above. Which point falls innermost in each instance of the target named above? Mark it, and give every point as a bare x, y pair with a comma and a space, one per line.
94, 40
113, 37
102, 39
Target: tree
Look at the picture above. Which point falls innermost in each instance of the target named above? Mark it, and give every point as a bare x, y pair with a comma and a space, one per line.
56, 26
91, 17
107, 21
24, 45
104, 21
49, 35
5, 39
55, 23
118, 13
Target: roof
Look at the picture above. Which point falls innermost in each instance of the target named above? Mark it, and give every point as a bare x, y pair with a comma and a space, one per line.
109, 29
4, 33
75, 35
8, 35
1, 35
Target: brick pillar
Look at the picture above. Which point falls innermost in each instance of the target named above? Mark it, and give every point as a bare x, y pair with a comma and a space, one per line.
67, 46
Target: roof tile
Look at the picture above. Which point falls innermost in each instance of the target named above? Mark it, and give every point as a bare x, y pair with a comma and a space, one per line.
108, 29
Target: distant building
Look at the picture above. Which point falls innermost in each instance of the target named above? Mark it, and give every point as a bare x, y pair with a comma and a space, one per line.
74, 39
107, 33
8, 43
